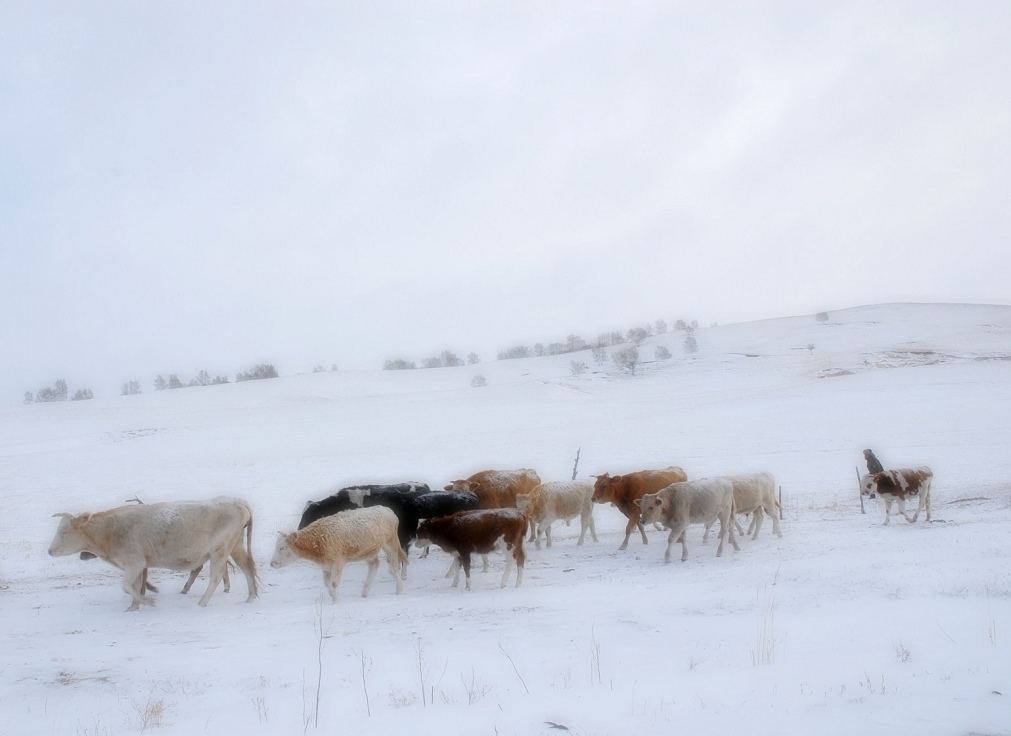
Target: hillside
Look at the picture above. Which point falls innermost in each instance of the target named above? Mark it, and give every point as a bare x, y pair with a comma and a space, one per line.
819, 630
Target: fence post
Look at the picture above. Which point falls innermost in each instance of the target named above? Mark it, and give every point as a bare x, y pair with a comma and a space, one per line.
576, 464
860, 491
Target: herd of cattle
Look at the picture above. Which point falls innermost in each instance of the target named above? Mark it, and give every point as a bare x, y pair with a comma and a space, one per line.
491, 510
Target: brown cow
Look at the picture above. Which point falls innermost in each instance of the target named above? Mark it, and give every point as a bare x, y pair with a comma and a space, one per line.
479, 531
497, 489
623, 490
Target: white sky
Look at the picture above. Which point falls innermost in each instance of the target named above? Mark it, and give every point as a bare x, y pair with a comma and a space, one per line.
189, 186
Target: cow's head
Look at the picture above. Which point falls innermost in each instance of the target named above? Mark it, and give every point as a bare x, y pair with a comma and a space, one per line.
869, 485
460, 485
652, 508
603, 488
284, 553
424, 538
69, 539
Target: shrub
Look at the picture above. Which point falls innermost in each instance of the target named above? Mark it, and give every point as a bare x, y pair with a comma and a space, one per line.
57, 393
822, 316
626, 358
661, 353
660, 327
399, 365
599, 354
28, 398
259, 372
478, 381
82, 394
160, 384
691, 345
577, 368
174, 382
449, 359
431, 363
520, 351
473, 359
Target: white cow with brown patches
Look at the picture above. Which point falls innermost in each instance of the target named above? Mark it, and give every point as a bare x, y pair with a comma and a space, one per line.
898, 486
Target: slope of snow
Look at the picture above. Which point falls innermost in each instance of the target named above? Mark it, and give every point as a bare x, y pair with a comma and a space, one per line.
841, 625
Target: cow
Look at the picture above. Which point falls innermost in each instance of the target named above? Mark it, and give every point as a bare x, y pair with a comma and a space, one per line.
180, 535
478, 532
354, 497
898, 485
691, 502
556, 500
497, 489
753, 494
411, 502
623, 490
347, 536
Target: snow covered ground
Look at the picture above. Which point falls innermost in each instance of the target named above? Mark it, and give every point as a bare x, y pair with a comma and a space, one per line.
841, 626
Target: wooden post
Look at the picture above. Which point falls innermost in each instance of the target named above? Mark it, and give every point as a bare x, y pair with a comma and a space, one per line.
576, 464
860, 491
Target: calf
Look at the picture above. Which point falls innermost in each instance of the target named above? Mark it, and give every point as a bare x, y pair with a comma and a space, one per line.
478, 532
623, 490
497, 489
899, 485
347, 536
691, 502
177, 536
563, 500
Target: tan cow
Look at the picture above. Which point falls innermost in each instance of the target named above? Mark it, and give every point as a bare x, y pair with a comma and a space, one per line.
497, 489
179, 535
691, 502
558, 500
623, 490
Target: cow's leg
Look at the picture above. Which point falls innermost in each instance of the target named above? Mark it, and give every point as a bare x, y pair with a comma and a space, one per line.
455, 569
392, 552
373, 567
244, 559
547, 535
336, 573
484, 560
534, 532
888, 509
925, 500
509, 561
677, 533
731, 534
633, 522
218, 559
901, 502
191, 579
705, 534
755, 526
465, 563
520, 556
133, 577
774, 515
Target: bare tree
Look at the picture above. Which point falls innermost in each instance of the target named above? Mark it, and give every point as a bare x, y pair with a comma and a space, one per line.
473, 358
691, 345
130, 388
599, 354
577, 368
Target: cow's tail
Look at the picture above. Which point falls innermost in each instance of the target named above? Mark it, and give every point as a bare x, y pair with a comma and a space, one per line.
249, 553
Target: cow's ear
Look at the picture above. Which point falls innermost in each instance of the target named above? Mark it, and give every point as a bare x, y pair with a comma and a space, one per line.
80, 518
638, 502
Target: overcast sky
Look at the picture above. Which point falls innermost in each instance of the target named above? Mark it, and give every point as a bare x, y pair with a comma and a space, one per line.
189, 186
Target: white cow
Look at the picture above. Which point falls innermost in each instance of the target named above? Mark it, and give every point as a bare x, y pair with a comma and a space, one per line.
691, 502
180, 535
558, 500
753, 493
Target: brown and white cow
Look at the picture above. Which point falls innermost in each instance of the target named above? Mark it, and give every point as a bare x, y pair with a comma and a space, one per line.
480, 531
622, 491
175, 535
497, 489
900, 485
691, 502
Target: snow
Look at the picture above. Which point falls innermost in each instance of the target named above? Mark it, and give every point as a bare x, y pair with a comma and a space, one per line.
841, 626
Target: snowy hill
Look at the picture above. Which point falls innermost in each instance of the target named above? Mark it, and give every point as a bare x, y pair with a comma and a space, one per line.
841, 624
